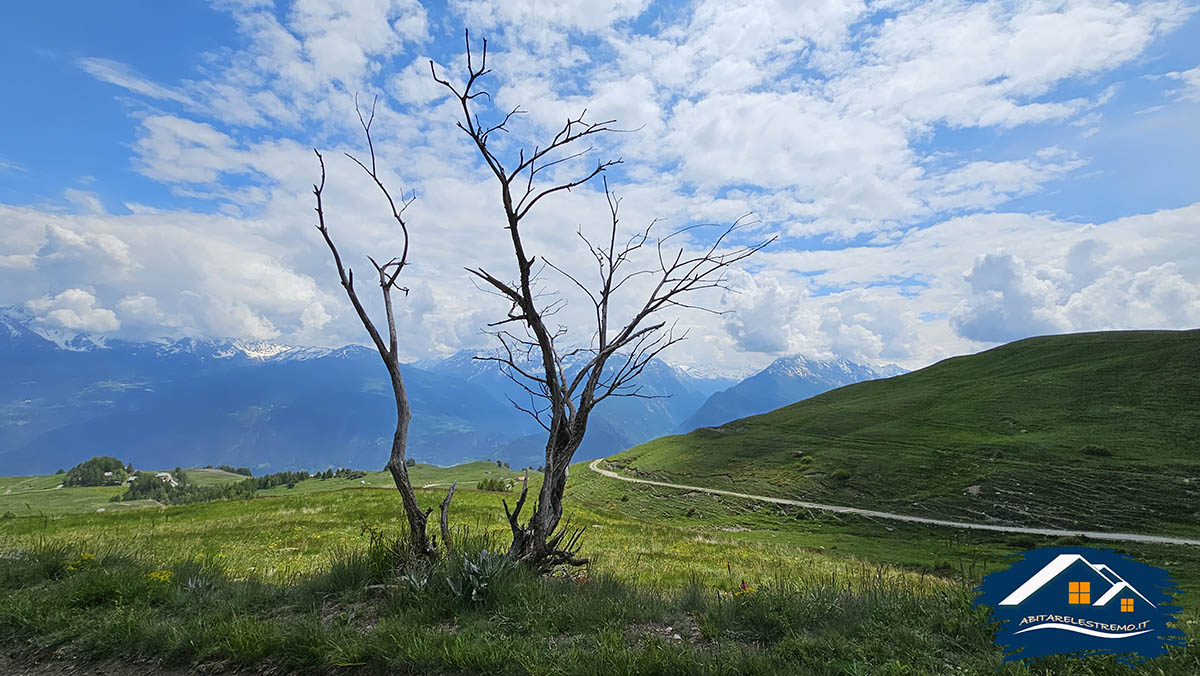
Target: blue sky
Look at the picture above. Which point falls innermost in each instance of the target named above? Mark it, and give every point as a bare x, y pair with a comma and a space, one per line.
943, 176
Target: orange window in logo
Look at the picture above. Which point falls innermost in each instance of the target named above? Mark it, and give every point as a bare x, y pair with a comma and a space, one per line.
1079, 593
1127, 605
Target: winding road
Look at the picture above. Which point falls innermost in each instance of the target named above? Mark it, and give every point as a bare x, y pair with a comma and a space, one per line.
1097, 535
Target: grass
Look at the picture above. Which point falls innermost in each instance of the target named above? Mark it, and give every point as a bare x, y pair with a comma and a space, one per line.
38, 495
358, 610
291, 580
210, 476
1008, 435
277, 539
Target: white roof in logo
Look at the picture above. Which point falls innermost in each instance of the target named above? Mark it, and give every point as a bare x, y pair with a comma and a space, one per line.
1058, 565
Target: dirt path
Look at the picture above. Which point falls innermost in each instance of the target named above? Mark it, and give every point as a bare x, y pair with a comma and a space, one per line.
1097, 535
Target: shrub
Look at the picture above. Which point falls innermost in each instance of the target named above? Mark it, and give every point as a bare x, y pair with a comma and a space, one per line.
495, 485
474, 576
1023, 541
1098, 451
840, 475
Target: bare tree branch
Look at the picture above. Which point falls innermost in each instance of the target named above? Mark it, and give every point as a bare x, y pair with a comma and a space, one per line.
631, 346
389, 274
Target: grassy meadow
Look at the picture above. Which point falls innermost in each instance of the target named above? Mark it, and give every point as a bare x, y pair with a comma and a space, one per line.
303, 578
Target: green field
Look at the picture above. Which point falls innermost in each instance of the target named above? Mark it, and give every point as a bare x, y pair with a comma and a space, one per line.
39, 495
826, 594
208, 476
1093, 431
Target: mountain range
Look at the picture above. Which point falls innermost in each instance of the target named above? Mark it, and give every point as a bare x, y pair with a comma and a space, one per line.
66, 396
785, 381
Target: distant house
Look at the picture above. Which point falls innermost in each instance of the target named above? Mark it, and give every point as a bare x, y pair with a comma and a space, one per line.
166, 478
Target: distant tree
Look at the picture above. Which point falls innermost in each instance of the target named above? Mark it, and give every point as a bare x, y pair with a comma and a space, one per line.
244, 471
102, 470
410, 462
559, 401
61, 471
388, 277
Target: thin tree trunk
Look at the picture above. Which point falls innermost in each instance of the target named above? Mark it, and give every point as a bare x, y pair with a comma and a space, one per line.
399, 468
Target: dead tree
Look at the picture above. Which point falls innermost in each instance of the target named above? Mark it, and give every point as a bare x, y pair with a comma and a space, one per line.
562, 397
389, 274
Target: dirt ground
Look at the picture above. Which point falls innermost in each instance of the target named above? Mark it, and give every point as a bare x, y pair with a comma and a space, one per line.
10, 666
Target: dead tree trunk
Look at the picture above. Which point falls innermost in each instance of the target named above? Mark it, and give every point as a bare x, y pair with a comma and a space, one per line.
388, 273
561, 399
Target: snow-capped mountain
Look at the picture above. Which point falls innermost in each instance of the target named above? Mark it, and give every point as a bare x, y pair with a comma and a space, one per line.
785, 381
66, 396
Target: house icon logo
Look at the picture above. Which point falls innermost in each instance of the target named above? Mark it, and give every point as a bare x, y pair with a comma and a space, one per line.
1081, 601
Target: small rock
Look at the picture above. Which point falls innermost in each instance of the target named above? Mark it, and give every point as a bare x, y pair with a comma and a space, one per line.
677, 637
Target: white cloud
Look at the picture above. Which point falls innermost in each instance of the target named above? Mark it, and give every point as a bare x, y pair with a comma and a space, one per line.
340, 38
1011, 299
122, 75
88, 200
6, 165
773, 317
541, 19
1008, 301
1190, 81
822, 118
74, 310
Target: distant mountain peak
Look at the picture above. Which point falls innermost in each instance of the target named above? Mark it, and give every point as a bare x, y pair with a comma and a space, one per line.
786, 380
831, 370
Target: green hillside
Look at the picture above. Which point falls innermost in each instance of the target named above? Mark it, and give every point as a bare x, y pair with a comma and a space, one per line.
41, 495
1095, 430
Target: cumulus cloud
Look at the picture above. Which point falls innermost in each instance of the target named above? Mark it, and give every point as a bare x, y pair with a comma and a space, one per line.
772, 317
74, 310
1011, 298
762, 314
1008, 300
